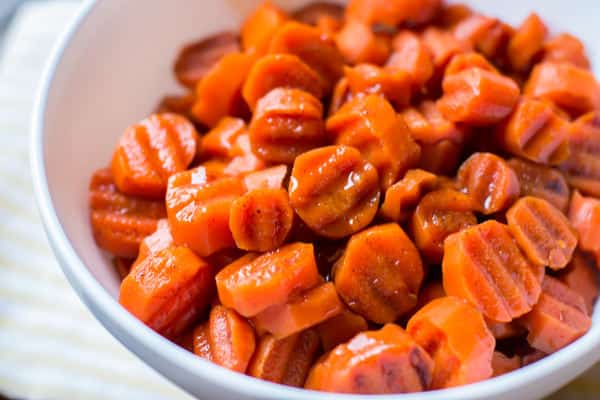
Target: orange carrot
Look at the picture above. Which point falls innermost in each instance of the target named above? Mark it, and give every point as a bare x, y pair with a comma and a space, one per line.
566, 48
526, 43
412, 56
231, 339
340, 329
201, 343
359, 44
581, 276
219, 141
260, 26
403, 196
393, 84
584, 217
393, 12
269, 178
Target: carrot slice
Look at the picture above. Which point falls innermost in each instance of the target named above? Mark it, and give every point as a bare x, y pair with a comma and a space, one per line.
359, 44
341, 94
122, 266
485, 34
412, 56
254, 283
581, 276
201, 343
393, 84
442, 158
334, 190
456, 337
316, 12
429, 292
219, 141
393, 12
443, 45
176, 104
451, 14
374, 362
484, 265
340, 328
566, 48
403, 196
502, 364
380, 273
269, 178
301, 312
584, 216
260, 26
159, 240
526, 43
231, 339
505, 330
464, 61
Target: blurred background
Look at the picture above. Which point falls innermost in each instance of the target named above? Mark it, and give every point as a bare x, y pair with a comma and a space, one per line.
50, 345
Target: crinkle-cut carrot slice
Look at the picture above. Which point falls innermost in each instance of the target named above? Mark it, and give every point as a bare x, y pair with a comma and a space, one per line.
571, 88
159, 240
218, 94
120, 222
334, 190
393, 12
359, 44
285, 124
584, 216
198, 209
167, 290
380, 273
442, 158
374, 362
176, 104
464, 61
566, 48
268, 178
260, 26
254, 283
280, 70
542, 231
242, 160
489, 181
341, 94
196, 59
403, 196
393, 84
559, 317
200, 342
439, 214
484, 265
151, 151
487, 35
315, 12
340, 329
231, 338
505, 330
122, 266
443, 45
286, 360
412, 56
318, 51
535, 132
477, 96
219, 141
526, 43
370, 124
582, 167
456, 337
581, 276
261, 219
451, 15
301, 312
541, 181
502, 364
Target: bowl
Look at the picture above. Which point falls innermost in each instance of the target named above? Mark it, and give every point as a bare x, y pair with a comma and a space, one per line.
109, 70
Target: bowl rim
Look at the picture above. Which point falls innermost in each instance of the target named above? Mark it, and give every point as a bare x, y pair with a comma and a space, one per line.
126, 328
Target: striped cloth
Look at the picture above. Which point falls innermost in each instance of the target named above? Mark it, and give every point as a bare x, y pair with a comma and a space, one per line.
51, 347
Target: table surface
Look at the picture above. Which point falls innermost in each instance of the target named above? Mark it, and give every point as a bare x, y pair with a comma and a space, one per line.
51, 347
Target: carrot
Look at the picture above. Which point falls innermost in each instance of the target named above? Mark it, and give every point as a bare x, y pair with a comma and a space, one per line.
502, 364
159, 240
303, 311
489, 181
269, 178
542, 231
442, 45
393, 12
526, 43
260, 26
254, 283
374, 362
566, 48
393, 84
473, 28
410, 54
201, 343
242, 160
456, 337
340, 328
198, 209
584, 217
318, 11
176, 104
484, 265
380, 273
196, 59
505, 330
219, 141
559, 317
541, 181
371, 125
167, 290
341, 94
122, 266
151, 151
439, 214
359, 44
285, 124
494, 42
334, 190
231, 339
451, 15
120, 222
403, 196
581, 276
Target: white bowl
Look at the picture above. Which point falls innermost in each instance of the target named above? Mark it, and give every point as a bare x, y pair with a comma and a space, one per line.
108, 71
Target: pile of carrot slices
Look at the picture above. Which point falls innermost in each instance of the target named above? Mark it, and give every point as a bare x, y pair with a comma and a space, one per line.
395, 196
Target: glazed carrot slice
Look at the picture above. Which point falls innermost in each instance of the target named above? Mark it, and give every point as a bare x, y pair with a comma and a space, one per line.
254, 283
581, 276
559, 317
359, 44
439, 214
456, 337
260, 26
442, 158
505, 330
201, 343
541, 181
176, 104
268, 178
219, 141
403, 196
122, 266
566, 48
489, 181
371, 125
380, 273
429, 292
340, 329
341, 94
569, 87
464, 61
542, 231
393, 12
285, 124
196, 59
120, 222
452, 14
231, 339
584, 217
412, 56
159, 240
334, 190
198, 209
218, 94
443, 45
261, 219
502, 364
374, 362
536, 132
393, 84
301, 312
484, 265
487, 35
167, 290
526, 43
242, 160
151, 151
315, 12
